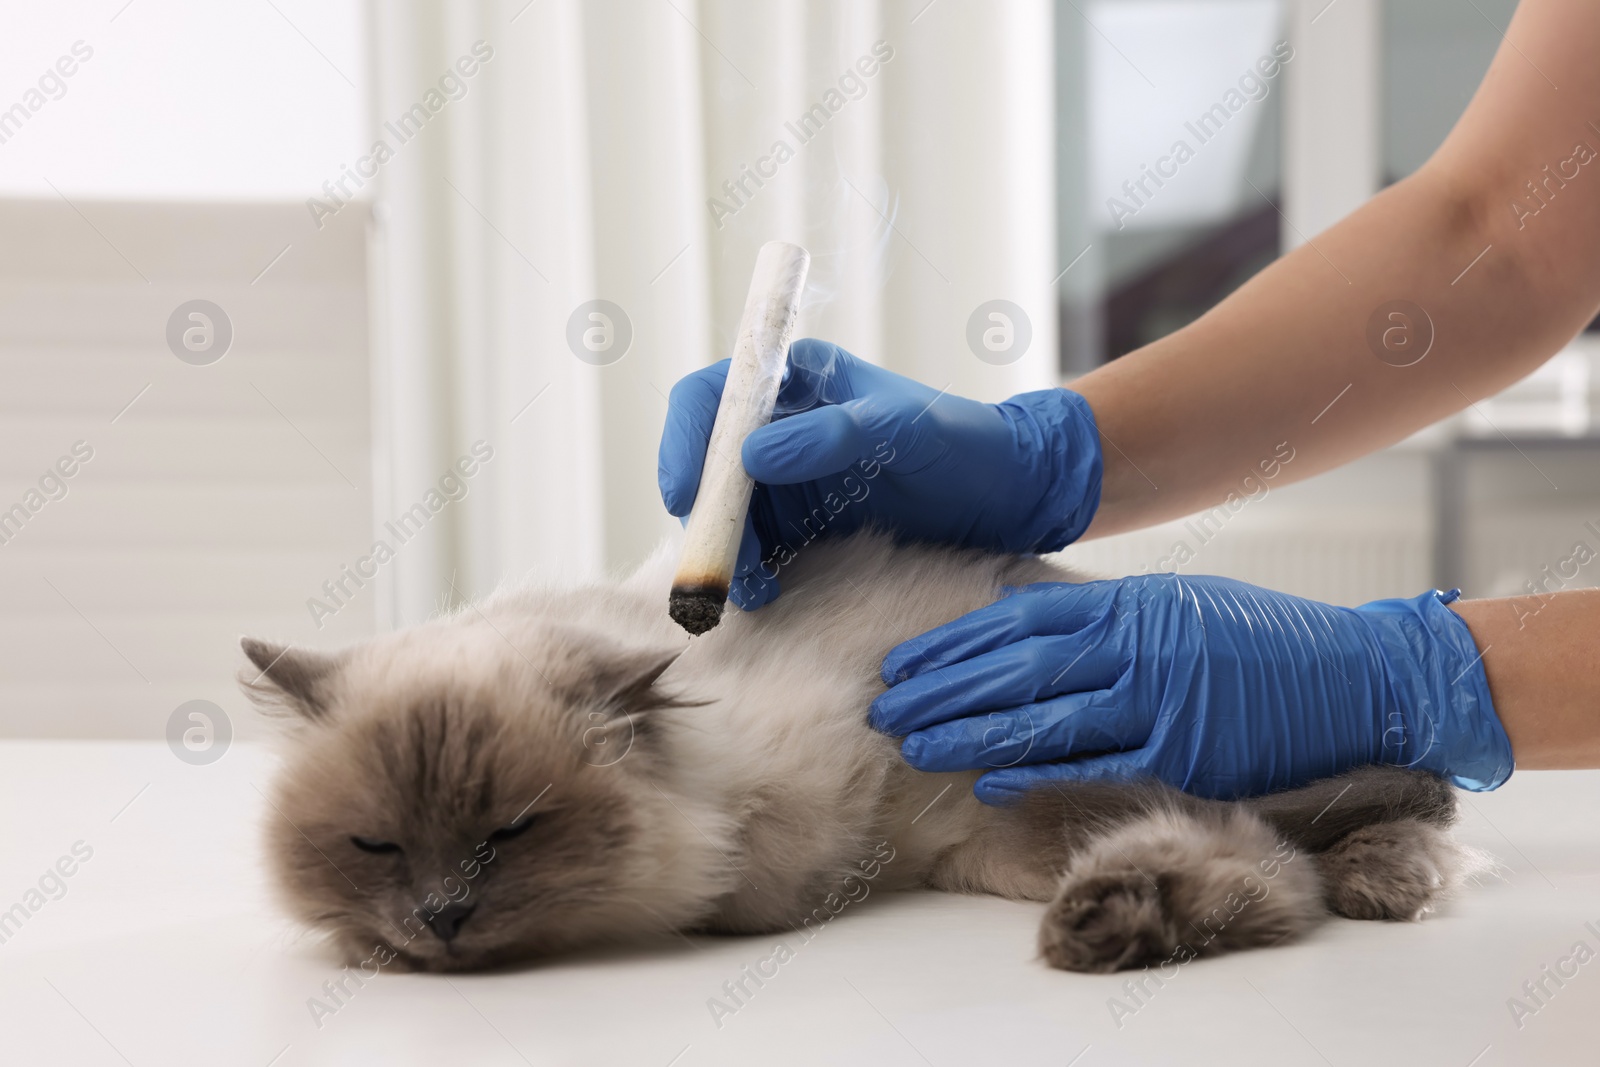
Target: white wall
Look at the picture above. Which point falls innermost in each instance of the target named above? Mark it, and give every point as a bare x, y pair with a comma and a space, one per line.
218, 498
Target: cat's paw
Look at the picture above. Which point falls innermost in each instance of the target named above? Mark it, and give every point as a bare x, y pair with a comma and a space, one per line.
1393, 870
1177, 886
1106, 923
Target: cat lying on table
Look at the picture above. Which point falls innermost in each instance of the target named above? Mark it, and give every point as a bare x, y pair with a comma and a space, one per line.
559, 767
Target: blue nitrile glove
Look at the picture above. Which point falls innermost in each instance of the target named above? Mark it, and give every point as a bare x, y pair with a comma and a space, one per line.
853, 444
1212, 685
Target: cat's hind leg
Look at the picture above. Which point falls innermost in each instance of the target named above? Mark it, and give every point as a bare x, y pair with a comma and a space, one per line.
1394, 870
1381, 837
1178, 882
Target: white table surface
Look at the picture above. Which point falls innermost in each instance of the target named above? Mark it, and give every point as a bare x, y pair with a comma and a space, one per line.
166, 950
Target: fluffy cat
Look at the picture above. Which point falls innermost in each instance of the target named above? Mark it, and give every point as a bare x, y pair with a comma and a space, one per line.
558, 767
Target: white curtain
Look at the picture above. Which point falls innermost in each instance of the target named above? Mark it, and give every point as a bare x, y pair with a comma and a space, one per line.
587, 159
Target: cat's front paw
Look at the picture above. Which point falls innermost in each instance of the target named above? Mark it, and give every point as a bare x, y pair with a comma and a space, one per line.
1177, 886
1106, 923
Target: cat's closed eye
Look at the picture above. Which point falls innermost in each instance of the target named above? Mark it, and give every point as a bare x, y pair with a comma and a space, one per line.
506, 833
367, 844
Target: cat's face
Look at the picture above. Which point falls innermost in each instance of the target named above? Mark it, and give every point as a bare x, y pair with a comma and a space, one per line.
448, 803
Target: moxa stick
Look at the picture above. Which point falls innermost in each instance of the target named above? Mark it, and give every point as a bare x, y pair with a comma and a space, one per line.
716, 521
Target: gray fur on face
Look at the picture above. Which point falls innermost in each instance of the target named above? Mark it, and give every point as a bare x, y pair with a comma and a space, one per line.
559, 767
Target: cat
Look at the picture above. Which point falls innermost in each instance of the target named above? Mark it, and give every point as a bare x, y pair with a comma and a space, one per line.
559, 767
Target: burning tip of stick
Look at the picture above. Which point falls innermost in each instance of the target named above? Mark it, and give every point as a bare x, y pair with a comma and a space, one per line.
716, 522
697, 610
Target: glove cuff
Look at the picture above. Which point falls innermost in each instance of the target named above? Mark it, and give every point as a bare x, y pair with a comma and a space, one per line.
1448, 724
1059, 427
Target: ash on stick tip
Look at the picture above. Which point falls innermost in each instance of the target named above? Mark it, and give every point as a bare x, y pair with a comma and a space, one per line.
696, 610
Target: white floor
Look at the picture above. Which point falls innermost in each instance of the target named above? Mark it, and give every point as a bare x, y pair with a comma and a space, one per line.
165, 950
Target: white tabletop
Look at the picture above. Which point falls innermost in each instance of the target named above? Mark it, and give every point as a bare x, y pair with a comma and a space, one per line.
165, 949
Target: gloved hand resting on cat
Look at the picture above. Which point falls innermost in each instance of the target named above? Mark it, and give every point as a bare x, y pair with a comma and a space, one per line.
854, 444
1214, 686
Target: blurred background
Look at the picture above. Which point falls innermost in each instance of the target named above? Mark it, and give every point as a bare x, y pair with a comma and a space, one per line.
338, 313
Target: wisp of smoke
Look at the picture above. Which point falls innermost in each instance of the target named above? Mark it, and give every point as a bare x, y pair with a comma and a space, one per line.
828, 267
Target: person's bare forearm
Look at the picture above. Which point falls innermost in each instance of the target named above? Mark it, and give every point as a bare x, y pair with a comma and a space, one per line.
1283, 364
1542, 658
1286, 363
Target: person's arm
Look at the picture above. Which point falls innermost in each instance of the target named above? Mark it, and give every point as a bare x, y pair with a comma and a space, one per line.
1185, 418
1542, 658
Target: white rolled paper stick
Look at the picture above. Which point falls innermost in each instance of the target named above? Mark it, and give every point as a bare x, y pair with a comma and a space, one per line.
716, 522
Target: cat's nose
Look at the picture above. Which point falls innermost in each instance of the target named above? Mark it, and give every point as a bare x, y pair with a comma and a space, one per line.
447, 923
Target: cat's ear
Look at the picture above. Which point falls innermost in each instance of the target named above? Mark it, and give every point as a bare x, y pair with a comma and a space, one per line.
289, 679
628, 681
